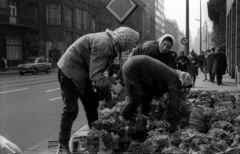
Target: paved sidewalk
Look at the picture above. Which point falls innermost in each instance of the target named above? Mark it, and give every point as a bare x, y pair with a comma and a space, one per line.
228, 84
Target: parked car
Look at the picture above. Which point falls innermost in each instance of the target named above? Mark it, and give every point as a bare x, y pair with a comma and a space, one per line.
35, 65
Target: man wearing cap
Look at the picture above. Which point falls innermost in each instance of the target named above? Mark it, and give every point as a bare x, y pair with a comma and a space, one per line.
146, 77
82, 66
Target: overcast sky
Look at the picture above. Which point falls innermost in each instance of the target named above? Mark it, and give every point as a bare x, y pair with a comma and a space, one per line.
176, 9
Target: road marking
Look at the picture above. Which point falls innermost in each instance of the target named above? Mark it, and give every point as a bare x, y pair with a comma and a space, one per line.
13, 90
55, 98
52, 90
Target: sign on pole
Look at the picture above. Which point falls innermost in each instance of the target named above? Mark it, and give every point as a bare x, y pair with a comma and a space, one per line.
121, 9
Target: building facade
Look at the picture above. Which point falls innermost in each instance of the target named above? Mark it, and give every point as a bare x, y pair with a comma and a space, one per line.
46, 28
160, 18
225, 15
171, 27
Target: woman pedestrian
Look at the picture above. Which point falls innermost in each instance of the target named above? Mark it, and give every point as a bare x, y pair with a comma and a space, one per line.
158, 49
172, 63
205, 65
193, 65
182, 62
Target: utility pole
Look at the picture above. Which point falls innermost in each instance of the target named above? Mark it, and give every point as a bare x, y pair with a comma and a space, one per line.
187, 26
200, 26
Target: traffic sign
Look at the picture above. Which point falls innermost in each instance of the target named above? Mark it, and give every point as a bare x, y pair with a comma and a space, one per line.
184, 41
121, 9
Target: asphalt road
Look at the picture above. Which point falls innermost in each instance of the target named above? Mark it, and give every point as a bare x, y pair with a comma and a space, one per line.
31, 107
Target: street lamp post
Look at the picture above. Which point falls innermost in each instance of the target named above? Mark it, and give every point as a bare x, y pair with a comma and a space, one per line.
200, 26
187, 26
200, 41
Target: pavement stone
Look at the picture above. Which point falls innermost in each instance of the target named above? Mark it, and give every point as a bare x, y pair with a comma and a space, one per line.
228, 84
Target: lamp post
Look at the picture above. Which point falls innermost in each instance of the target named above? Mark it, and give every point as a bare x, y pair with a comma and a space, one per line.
200, 26
187, 26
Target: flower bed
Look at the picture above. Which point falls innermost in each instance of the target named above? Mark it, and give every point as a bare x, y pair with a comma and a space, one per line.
210, 124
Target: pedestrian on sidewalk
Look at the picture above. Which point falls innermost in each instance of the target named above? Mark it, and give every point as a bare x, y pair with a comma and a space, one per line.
182, 62
2, 64
145, 78
205, 65
210, 64
172, 62
201, 58
220, 65
81, 68
193, 65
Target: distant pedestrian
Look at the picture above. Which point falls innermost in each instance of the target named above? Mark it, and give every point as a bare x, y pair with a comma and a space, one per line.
193, 65
201, 60
81, 67
205, 66
2, 64
182, 62
220, 65
172, 63
210, 64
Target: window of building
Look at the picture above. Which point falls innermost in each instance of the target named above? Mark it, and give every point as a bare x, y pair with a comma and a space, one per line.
94, 23
78, 18
88, 20
84, 13
14, 47
13, 12
68, 17
53, 14
3, 4
69, 36
78, 35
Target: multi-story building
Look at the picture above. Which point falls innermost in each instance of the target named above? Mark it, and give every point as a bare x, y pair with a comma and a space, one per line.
171, 27
47, 27
226, 29
160, 18
157, 18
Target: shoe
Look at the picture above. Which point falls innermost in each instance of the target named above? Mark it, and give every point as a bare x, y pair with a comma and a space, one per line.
63, 149
204, 79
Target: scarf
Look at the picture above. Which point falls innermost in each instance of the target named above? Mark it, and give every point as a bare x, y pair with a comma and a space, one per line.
125, 37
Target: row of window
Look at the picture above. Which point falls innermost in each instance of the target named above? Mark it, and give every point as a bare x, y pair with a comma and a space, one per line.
82, 21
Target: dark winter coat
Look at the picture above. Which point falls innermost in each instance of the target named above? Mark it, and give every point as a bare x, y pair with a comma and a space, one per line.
182, 62
220, 63
151, 48
210, 62
172, 62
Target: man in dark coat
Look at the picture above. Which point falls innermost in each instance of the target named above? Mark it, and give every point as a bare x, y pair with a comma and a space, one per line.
182, 62
220, 65
172, 63
210, 64
201, 58
146, 77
